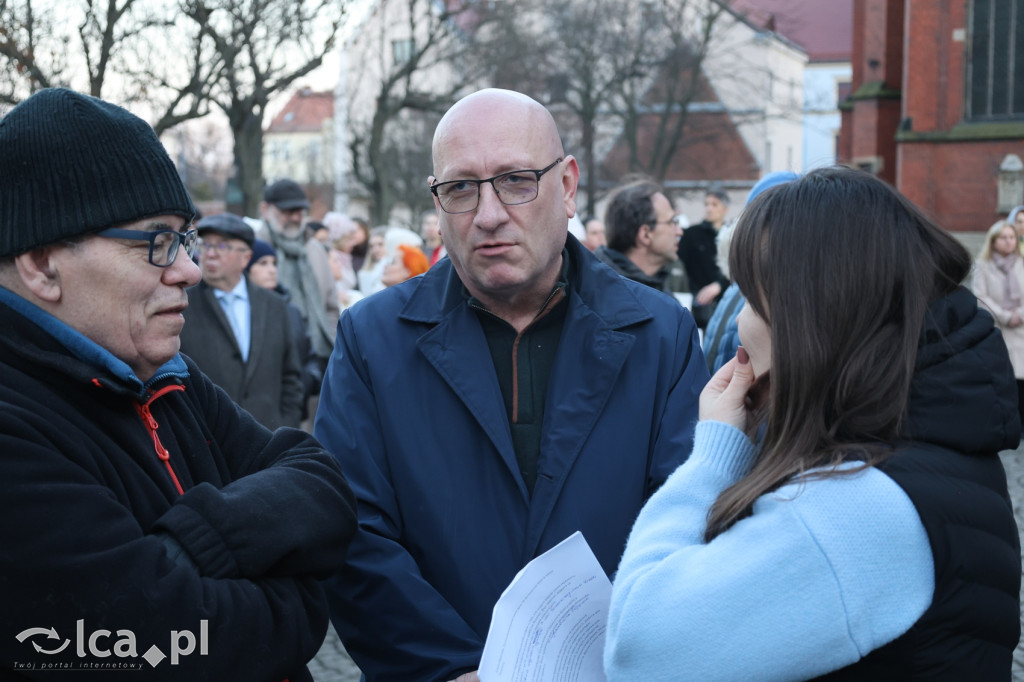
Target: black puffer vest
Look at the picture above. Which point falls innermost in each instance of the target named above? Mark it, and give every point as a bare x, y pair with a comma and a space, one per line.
962, 412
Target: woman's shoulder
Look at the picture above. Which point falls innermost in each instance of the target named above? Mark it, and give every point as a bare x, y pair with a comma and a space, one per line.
852, 511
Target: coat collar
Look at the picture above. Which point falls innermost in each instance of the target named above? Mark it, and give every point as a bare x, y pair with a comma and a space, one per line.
592, 352
606, 294
92, 362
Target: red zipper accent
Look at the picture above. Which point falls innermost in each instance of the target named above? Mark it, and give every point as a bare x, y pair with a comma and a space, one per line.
151, 425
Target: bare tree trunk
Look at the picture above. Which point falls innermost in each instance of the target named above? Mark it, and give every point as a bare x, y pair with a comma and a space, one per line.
249, 162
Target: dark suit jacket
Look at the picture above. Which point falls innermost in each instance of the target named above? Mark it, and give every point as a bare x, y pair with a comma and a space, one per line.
269, 385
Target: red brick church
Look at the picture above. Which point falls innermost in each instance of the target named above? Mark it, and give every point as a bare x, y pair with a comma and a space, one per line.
937, 104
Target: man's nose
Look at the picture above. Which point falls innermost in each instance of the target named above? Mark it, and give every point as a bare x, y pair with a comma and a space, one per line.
489, 210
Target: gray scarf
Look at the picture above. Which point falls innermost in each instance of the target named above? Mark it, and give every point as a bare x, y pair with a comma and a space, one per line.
296, 274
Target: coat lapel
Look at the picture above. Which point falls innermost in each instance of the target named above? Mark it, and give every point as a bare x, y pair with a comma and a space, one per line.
257, 328
590, 358
458, 351
217, 310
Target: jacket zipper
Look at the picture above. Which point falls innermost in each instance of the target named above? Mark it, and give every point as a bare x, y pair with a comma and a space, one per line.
151, 426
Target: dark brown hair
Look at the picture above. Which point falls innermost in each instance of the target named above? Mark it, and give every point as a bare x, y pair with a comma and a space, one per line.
842, 268
630, 208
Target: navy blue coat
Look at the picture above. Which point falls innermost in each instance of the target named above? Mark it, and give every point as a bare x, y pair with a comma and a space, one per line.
412, 408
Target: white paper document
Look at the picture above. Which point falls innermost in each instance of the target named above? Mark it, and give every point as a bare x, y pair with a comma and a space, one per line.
549, 624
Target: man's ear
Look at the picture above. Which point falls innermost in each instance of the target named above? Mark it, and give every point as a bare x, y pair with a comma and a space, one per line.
39, 272
643, 235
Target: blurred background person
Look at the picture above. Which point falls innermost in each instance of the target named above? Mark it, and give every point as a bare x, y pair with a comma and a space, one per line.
361, 242
237, 332
408, 262
642, 236
342, 238
721, 338
373, 267
698, 253
262, 271
433, 247
302, 264
594, 233
999, 286
1016, 219
400, 260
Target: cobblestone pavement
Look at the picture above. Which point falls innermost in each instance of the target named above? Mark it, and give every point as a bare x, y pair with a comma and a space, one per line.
1013, 461
332, 664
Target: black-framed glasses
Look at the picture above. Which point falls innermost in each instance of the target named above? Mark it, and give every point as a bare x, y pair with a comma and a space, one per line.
163, 244
512, 188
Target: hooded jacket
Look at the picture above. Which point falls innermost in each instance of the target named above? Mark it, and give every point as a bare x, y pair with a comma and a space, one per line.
139, 511
962, 412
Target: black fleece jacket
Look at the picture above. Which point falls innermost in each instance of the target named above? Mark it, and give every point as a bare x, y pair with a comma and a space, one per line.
91, 461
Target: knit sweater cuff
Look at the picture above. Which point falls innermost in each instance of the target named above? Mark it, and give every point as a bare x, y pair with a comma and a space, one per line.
202, 543
723, 448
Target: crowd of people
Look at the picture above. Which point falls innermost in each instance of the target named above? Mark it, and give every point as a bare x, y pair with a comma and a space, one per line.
244, 427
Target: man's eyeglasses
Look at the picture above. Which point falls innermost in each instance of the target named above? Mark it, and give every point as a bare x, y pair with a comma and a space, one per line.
163, 244
512, 188
222, 248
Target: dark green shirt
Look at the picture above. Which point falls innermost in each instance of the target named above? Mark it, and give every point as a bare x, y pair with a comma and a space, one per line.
523, 362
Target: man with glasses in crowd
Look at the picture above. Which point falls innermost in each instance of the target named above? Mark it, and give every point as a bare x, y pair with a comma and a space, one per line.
642, 237
238, 333
514, 394
145, 515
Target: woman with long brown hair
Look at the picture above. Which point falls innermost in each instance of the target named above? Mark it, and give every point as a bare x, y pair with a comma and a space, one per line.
844, 512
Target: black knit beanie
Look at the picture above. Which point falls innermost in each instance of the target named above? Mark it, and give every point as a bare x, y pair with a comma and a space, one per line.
72, 164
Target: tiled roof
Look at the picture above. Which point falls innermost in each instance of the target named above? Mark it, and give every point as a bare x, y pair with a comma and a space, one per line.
823, 28
305, 112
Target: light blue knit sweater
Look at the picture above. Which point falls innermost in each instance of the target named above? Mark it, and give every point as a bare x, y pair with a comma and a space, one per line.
819, 575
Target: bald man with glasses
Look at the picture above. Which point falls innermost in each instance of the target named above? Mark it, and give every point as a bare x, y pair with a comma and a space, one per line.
517, 392
145, 515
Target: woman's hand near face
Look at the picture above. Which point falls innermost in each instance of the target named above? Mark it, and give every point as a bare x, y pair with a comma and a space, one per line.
724, 398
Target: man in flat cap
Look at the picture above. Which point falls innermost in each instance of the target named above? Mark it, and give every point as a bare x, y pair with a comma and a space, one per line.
238, 332
303, 266
147, 522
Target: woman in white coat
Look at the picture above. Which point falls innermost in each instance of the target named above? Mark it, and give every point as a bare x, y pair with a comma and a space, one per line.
999, 286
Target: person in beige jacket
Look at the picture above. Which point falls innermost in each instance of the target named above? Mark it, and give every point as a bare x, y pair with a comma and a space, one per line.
999, 286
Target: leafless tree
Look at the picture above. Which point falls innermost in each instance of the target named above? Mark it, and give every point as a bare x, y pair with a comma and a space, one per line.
684, 31
411, 67
634, 67
48, 44
34, 50
262, 46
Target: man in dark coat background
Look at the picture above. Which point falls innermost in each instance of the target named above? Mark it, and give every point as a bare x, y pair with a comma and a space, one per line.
237, 332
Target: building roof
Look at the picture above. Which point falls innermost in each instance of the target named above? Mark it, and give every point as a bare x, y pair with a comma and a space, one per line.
711, 147
305, 112
823, 28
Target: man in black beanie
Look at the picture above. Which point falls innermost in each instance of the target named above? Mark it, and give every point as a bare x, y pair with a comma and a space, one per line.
137, 498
